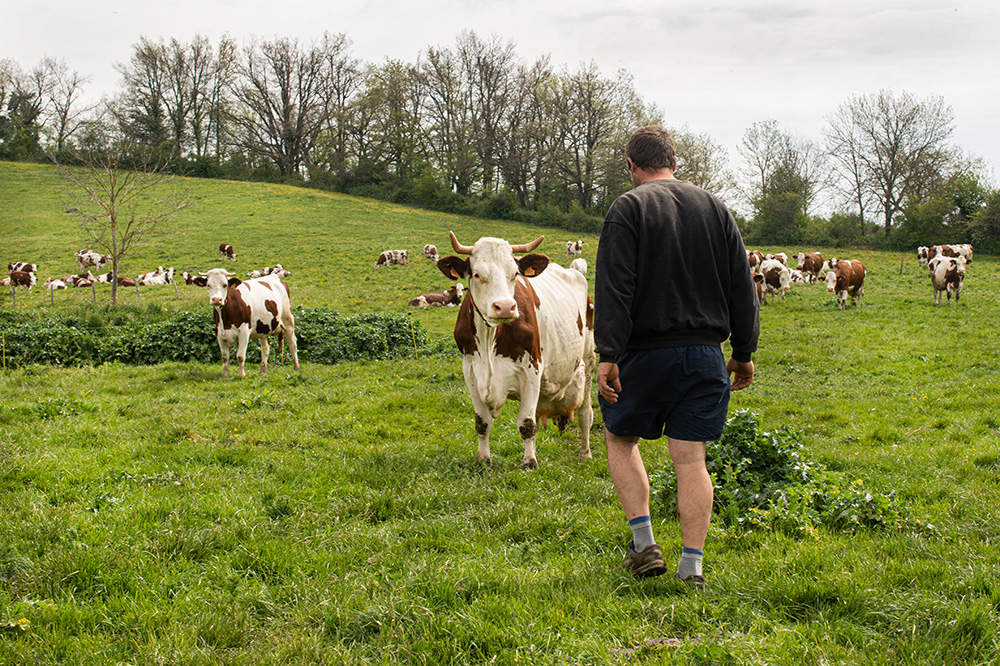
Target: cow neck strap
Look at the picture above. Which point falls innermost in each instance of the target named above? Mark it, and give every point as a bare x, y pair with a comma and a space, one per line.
475, 309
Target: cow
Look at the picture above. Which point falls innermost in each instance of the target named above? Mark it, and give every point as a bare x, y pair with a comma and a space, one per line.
159, 276
81, 280
964, 250
122, 280
22, 279
810, 263
947, 274
758, 283
450, 297
88, 258
574, 248
755, 258
847, 278
277, 269
579, 264
922, 257
431, 252
244, 310
53, 283
227, 252
795, 276
780, 256
777, 278
398, 257
22, 266
525, 331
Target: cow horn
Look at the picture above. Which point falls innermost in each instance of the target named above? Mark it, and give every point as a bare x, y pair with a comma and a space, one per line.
458, 247
529, 247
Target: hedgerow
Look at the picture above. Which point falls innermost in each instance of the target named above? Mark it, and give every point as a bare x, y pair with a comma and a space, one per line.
763, 480
323, 336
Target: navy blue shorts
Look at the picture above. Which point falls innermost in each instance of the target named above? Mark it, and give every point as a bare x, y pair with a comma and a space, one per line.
680, 392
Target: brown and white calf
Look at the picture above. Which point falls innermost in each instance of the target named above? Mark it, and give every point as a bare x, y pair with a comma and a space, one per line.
847, 278
398, 257
22, 266
82, 280
227, 252
525, 330
810, 263
755, 258
244, 310
574, 248
431, 252
88, 258
947, 274
122, 280
922, 257
777, 278
450, 297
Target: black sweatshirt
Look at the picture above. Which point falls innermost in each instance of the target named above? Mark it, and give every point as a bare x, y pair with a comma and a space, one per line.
672, 271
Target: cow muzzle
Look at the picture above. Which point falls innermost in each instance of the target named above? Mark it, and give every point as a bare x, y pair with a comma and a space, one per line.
218, 301
504, 310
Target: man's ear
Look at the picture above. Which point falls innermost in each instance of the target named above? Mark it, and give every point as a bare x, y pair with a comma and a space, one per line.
532, 264
453, 267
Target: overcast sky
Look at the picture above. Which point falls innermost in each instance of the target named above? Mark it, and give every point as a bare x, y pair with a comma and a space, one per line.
716, 65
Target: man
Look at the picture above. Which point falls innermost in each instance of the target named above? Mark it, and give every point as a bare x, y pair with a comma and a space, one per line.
672, 284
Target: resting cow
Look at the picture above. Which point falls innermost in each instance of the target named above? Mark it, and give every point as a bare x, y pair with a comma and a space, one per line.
252, 309
525, 330
450, 297
398, 257
847, 278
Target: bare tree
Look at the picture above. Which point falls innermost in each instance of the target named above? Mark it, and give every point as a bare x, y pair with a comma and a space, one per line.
122, 202
448, 115
701, 161
64, 114
286, 95
894, 147
774, 161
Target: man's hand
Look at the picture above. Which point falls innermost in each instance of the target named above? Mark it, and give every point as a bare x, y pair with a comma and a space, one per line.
608, 384
744, 374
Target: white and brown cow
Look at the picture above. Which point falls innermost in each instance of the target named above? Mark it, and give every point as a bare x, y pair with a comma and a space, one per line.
122, 280
81, 280
810, 263
579, 264
397, 257
53, 283
574, 248
450, 297
431, 252
755, 258
922, 257
22, 280
847, 278
88, 258
525, 330
226, 251
947, 274
159, 276
22, 266
244, 310
777, 278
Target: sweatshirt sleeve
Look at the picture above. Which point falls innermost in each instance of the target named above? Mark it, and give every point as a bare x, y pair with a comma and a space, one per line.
744, 307
615, 280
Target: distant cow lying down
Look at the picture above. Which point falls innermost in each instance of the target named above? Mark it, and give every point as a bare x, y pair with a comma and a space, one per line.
398, 257
252, 309
450, 297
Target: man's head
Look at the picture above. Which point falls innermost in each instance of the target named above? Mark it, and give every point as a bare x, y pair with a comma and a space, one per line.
651, 148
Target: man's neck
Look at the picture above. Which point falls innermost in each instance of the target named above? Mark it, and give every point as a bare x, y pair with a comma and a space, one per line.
640, 175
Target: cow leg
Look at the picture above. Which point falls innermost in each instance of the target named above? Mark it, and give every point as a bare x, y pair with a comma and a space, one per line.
527, 423
289, 331
265, 350
585, 419
484, 419
224, 351
241, 350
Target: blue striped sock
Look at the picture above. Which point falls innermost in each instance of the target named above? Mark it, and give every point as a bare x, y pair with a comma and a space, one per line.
690, 564
642, 533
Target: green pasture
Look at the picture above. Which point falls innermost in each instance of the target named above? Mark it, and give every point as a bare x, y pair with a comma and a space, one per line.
162, 515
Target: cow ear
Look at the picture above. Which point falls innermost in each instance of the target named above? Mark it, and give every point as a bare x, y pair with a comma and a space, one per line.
453, 267
201, 280
235, 281
532, 264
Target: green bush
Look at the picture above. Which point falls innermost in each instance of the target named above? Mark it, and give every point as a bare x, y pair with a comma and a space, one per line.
762, 480
324, 336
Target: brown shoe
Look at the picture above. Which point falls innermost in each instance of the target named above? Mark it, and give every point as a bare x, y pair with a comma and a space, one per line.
693, 581
645, 564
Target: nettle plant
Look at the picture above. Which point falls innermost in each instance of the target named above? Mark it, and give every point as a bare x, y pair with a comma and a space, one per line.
763, 481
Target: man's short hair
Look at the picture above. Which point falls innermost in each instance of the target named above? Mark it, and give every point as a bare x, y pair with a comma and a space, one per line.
652, 148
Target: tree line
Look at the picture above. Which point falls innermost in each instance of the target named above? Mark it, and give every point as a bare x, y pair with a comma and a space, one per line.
473, 128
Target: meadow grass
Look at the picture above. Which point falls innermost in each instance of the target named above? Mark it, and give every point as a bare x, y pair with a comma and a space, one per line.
162, 515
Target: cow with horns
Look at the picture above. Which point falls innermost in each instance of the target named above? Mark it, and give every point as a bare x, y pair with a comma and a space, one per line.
525, 330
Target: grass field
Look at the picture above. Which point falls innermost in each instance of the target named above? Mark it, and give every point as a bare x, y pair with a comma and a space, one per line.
162, 515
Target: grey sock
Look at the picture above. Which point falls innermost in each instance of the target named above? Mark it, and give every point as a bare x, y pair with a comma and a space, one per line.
642, 533
690, 564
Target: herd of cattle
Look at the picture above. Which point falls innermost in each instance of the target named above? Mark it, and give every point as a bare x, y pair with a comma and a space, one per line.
525, 328
846, 277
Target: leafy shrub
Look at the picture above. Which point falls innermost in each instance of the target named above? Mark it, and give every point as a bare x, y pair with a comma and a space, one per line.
762, 480
324, 336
